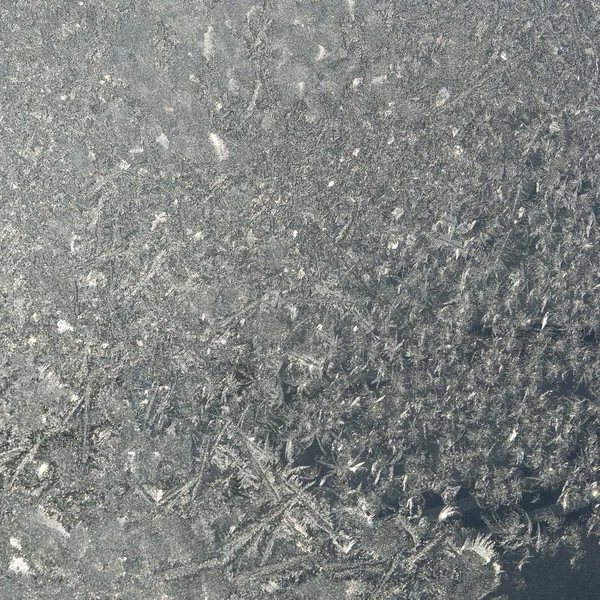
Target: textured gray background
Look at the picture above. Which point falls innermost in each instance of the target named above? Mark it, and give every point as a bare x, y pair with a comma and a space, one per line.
209, 208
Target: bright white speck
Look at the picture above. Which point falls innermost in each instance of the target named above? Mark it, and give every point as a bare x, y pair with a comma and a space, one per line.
356, 152
51, 523
442, 97
379, 80
94, 278
209, 44
331, 184
356, 81
124, 165
351, 8
42, 469
155, 494
163, 140
233, 85
15, 543
160, 218
74, 239
219, 146
321, 54
18, 565
294, 233
504, 56
356, 467
63, 326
